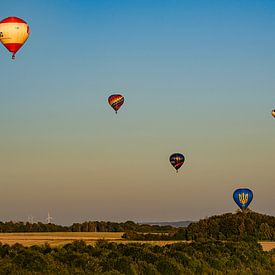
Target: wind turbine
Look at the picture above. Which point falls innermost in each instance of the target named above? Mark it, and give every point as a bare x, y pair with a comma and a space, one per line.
31, 219
49, 218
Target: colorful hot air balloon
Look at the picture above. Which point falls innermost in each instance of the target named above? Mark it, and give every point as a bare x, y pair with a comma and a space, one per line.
273, 113
116, 101
243, 197
13, 33
177, 160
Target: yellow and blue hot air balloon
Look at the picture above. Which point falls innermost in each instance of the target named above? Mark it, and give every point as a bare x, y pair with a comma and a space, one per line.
177, 160
243, 197
116, 101
13, 34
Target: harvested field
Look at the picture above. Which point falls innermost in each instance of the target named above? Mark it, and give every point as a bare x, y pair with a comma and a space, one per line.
267, 246
61, 238
57, 238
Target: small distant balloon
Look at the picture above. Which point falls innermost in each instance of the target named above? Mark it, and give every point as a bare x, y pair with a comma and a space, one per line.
116, 101
13, 34
243, 197
273, 113
177, 160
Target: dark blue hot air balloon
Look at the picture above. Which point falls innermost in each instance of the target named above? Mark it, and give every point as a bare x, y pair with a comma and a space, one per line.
243, 197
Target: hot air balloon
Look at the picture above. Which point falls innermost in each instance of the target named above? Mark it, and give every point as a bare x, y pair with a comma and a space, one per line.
13, 33
243, 197
116, 101
273, 113
177, 160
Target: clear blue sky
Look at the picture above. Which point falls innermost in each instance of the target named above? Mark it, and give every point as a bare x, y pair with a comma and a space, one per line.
198, 78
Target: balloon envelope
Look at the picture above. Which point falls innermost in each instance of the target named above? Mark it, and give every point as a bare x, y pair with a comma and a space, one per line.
177, 160
13, 33
273, 113
243, 197
116, 101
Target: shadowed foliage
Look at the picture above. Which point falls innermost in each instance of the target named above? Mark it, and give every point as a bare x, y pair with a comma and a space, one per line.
208, 257
244, 225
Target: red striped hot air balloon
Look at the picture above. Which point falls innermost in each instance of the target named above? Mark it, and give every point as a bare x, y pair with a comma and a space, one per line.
116, 101
13, 33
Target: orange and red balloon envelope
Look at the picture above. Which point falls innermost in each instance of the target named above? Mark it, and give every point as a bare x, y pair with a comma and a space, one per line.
116, 101
13, 34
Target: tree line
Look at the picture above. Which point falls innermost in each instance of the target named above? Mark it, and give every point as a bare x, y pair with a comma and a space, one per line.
210, 257
89, 226
243, 225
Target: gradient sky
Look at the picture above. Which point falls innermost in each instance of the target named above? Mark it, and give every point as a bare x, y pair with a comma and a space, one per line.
198, 78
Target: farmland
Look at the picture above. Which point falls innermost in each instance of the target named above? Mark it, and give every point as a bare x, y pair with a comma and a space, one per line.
57, 238
61, 238
267, 246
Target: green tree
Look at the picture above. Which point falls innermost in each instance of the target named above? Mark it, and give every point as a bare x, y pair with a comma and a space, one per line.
265, 232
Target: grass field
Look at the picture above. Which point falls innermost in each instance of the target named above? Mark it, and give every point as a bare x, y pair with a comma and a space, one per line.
61, 238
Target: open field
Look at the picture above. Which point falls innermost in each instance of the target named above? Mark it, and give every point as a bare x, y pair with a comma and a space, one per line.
267, 245
57, 238
61, 238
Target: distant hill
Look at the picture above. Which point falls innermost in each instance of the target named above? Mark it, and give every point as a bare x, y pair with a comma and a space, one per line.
173, 224
243, 225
